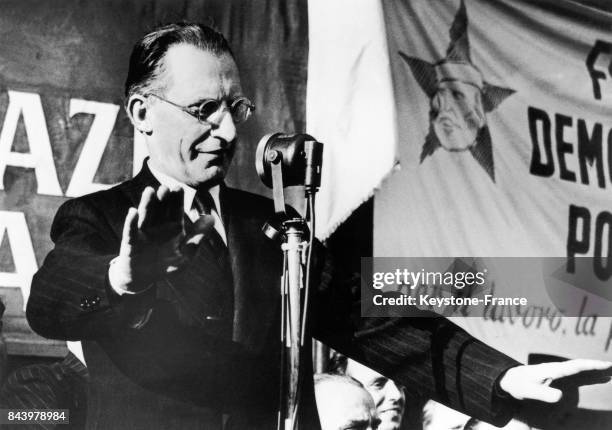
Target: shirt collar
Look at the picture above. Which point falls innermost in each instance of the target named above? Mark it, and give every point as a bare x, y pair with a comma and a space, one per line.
188, 192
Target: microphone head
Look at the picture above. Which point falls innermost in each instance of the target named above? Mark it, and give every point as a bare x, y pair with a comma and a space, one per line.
286, 149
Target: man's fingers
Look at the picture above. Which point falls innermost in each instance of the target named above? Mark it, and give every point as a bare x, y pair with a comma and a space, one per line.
543, 393
145, 203
162, 192
542, 381
204, 224
130, 231
171, 208
573, 367
174, 203
196, 233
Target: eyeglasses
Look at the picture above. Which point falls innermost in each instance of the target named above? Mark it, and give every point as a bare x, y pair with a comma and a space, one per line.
240, 109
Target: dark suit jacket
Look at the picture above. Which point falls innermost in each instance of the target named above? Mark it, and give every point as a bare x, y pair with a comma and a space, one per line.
202, 351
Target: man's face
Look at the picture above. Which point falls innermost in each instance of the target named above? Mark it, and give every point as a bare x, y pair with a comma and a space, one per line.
388, 397
457, 115
179, 145
343, 406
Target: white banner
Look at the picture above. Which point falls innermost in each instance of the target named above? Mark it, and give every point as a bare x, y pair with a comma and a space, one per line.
505, 144
349, 104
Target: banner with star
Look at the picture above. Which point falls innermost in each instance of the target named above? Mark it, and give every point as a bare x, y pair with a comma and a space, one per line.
504, 113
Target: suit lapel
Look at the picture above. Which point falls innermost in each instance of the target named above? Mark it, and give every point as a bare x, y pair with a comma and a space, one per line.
256, 265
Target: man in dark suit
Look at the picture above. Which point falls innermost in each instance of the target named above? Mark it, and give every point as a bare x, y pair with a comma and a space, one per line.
172, 288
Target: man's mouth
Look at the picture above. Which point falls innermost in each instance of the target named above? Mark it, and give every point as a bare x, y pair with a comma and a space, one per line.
212, 151
213, 156
215, 150
393, 409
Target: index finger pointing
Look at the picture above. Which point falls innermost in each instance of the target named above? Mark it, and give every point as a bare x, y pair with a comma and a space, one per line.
130, 231
144, 205
162, 191
174, 204
573, 367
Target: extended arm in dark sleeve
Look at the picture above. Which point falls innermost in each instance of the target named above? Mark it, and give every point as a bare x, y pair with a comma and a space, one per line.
429, 355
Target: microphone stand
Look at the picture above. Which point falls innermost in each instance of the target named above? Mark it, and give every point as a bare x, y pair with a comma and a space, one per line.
296, 245
292, 330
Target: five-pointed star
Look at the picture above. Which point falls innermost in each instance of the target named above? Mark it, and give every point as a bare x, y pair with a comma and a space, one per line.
492, 95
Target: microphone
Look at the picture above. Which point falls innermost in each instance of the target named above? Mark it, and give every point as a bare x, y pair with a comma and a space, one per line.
299, 157
284, 160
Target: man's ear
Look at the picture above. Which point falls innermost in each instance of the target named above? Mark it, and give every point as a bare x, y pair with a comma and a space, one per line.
138, 110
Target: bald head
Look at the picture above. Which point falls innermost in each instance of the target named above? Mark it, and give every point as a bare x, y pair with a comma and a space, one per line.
343, 403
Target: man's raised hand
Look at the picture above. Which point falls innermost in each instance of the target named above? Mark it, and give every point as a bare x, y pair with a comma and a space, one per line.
154, 240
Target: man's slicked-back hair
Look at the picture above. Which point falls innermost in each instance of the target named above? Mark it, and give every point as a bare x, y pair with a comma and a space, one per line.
146, 59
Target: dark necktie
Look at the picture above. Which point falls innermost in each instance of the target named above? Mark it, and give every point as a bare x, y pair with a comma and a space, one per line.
204, 202
205, 205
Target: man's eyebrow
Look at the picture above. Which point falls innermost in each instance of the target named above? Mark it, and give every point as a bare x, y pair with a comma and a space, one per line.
198, 102
378, 379
375, 421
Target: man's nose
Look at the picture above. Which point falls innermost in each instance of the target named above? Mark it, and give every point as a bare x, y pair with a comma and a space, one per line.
223, 127
446, 105
443, 101
393, 392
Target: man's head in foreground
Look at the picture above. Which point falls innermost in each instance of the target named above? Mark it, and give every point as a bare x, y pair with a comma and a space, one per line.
183, 95
344, 404
388, 397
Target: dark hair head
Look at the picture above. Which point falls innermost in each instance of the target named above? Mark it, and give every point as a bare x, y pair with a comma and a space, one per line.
146, 60
337, 363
